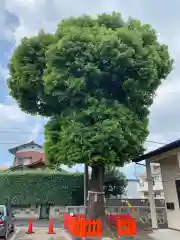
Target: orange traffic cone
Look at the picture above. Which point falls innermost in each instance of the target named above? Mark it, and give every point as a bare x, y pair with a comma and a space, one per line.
51, 229
30, 228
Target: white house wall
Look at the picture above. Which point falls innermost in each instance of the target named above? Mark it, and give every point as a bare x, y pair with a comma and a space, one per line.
158, 186
132, 190
170, 171
30, 149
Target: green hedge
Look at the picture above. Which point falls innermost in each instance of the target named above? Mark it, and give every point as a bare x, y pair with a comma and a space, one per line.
37, 187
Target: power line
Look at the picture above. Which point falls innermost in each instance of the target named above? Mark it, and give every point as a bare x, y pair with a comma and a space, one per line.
9, 143
55, 132
156, 142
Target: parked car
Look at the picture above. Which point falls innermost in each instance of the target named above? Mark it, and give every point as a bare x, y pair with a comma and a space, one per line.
6, 222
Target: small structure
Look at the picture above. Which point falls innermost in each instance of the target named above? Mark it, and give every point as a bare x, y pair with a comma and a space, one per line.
132, 191
157, 183
29, 155
168, 157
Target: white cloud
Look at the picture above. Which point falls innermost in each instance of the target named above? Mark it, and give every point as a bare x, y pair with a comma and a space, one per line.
3, 73
34, 15
11, 113
35, 133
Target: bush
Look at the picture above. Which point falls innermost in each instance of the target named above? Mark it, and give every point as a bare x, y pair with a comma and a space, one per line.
37, 187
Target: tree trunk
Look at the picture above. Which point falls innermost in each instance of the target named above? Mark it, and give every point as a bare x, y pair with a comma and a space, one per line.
96, 199
95, 208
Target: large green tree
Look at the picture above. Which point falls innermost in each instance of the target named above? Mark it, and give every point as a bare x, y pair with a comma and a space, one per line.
95, 79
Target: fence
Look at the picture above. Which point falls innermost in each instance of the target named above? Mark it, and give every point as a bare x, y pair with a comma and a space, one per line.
140, 213
79, 226
135, 202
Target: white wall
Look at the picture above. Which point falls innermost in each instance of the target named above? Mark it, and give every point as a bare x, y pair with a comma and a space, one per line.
132, 190
157, 187
169, 171
31, 148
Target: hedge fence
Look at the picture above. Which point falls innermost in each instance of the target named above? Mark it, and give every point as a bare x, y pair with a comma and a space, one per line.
36, 187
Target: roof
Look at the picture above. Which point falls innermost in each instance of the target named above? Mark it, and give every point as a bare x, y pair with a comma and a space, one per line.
15, 149
158, 151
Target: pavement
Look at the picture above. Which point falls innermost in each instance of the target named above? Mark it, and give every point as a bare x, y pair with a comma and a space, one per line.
165, 234
40, 229
39, 234
37, 223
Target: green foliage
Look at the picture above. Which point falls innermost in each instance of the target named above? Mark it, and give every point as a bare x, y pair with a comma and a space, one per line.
27, 67
37, 187
115, 182
95, 79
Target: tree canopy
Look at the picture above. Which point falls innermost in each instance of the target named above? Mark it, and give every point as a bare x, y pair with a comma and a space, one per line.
95, 79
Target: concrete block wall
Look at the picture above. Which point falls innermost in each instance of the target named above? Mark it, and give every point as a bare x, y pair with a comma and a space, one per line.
26, 212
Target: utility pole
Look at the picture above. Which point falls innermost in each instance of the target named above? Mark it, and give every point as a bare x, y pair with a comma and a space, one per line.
86, 180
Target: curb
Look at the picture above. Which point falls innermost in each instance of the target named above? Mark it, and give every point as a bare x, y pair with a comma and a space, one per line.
14, 234
66, 235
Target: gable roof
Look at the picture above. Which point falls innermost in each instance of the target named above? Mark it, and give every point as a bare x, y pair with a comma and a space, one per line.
158, 151
15, 149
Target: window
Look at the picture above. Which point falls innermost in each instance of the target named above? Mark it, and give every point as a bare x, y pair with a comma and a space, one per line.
156, 178
19, 161
170, 206
141, 183
2, 210
178, 190
153, 180
146, 194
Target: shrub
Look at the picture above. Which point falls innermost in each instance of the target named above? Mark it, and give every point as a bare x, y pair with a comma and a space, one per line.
37, 187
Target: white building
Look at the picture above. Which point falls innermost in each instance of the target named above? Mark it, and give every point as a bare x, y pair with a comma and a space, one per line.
157, 183
131, 191
168, 157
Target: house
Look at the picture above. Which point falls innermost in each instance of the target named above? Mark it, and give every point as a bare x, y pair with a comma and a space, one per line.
29, 155
131, 191
168, 157
157, 183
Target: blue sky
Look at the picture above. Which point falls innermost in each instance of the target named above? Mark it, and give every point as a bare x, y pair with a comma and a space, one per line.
20, 18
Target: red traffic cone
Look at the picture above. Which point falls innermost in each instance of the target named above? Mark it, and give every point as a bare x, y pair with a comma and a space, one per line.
30, 228
51, 229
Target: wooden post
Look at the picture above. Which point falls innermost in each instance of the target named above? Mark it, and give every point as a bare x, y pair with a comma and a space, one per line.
86, 180
151, 195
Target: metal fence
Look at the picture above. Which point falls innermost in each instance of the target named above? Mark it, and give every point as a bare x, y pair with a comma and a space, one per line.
141, 213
